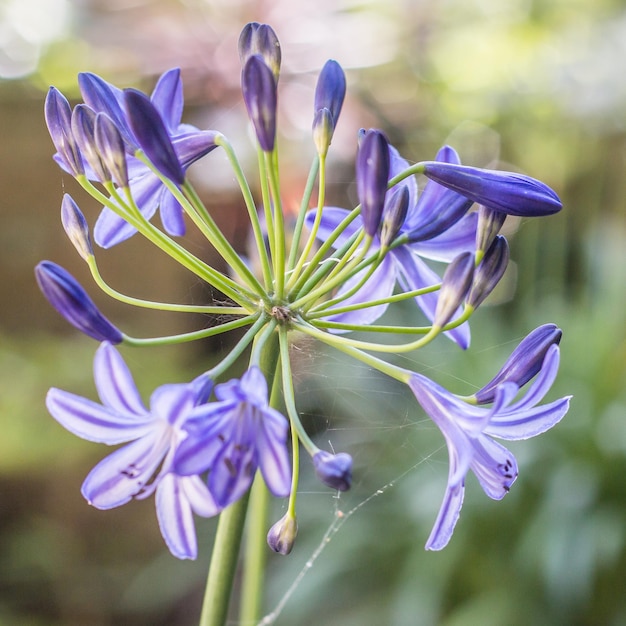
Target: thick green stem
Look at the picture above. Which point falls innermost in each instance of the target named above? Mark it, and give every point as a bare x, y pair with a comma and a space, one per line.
223, 564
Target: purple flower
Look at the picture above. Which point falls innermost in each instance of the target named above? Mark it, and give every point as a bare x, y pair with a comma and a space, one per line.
151, 436
189, 144
468, 431
435, 227
372, 174
66, 295
259, 94
233, 437
508, 192
334, 470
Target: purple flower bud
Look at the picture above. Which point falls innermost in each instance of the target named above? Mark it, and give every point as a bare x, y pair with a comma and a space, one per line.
524, 362
455, 284
111, 146
282, 535
334, 470
509, 192
72, 302
83, 124
76, 227
372, 174
260, 39
152, 136
394, 214
489, 224
330, 90
259, 94
489, 272
58, 114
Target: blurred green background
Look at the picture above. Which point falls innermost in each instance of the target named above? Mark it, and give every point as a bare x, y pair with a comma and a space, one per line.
537, 86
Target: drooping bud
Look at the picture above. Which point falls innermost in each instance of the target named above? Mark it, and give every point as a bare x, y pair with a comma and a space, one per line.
524, 362
259, 94
509, 192
260, 39
58, 114
334, 470
111, 146
83, 129
455, 284
151, 134
488, 274
76, 227
67, 296
372, 175
394, 214
489, 224
282, 535
330, 92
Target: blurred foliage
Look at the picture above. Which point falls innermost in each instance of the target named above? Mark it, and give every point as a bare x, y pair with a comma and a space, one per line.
536, 84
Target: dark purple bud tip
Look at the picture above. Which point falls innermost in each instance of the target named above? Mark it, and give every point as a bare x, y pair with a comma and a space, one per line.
525, 361
67, 296
372, 175
456, 282
489, 272
260, 39
76, 227
334, 470
152, 136
394, 214
508, 192
330, 90
259, 94
282, 535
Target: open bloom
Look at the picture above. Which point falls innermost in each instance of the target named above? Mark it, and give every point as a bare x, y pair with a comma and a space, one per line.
436, 227
233, 437
468, 431
151, 436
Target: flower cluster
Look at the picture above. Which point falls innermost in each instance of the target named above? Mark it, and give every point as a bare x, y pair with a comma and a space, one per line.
199, 445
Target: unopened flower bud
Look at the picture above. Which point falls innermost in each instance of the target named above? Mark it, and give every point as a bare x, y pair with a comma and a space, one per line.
282, 535
259, 93
83, 124
455, 284
524, 362
76, 227
489, 272
372, 175
260, 39
67, 296
394, 214
152, 136
58, 114
334, 470
509, 192
330, 92
111, 146
489, 224
323, 129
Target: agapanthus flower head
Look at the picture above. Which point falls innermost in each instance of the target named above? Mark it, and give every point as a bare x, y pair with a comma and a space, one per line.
259, 94
144, 464
260, 39
334, 470
515, 194
66, 295
468, 431
233, 437
75, 226
372, 174
58, 114
152, 136
489, 271
524, 362
282, 535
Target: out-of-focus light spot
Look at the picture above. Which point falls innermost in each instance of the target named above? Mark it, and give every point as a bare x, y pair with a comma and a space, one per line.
26, 27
